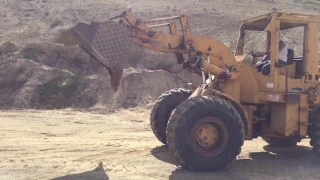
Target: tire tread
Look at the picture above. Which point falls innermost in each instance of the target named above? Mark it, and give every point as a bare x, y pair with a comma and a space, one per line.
203, 101
165, 99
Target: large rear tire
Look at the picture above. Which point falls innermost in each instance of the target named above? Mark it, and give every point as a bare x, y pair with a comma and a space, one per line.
315, 132
277, 142
205, 133
162, 109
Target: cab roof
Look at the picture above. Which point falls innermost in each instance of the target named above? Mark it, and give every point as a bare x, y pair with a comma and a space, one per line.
287, 20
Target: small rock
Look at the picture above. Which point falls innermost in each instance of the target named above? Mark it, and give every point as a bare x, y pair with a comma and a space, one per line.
129, 9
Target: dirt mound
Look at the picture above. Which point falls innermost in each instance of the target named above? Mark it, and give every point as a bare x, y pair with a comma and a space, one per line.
142, 87
138, 87
28, 84
72, 58
92, 91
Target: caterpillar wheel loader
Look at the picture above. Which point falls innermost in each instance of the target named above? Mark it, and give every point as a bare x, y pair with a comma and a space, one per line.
204, 127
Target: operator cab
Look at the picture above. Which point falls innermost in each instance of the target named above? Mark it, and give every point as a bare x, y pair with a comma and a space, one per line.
256, 35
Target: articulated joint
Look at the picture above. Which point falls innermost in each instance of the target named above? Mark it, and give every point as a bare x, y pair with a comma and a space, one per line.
220, 73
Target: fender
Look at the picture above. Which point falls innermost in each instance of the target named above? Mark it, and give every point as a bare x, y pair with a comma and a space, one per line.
234, 103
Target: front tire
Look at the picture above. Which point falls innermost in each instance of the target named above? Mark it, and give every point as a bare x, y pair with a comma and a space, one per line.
162, 109
205, 133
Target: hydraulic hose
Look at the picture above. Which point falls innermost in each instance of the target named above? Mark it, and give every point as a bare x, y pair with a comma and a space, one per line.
216, 83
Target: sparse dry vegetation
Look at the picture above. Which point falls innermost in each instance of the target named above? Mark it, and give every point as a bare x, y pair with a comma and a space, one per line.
315, 2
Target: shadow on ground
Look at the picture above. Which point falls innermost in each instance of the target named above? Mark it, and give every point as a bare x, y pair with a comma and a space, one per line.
162, 153
96, 174
275, 163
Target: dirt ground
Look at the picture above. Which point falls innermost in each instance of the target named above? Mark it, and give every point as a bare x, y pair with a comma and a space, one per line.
68, 144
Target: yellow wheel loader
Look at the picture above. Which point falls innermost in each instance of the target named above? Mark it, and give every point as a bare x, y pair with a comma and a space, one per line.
204, 127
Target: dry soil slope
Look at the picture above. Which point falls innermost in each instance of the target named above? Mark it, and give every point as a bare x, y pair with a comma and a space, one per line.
34, 20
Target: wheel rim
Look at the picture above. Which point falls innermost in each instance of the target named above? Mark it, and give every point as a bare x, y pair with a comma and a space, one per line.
209, 136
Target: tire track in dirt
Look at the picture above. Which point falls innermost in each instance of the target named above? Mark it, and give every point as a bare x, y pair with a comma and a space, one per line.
127, 149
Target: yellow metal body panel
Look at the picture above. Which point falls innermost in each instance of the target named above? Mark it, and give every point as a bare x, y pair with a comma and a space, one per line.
291, 71
290, 119
303, 115
249, 86
284, 119
311, 50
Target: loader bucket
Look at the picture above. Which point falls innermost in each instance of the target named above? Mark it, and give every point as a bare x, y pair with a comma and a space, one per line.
107, 42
